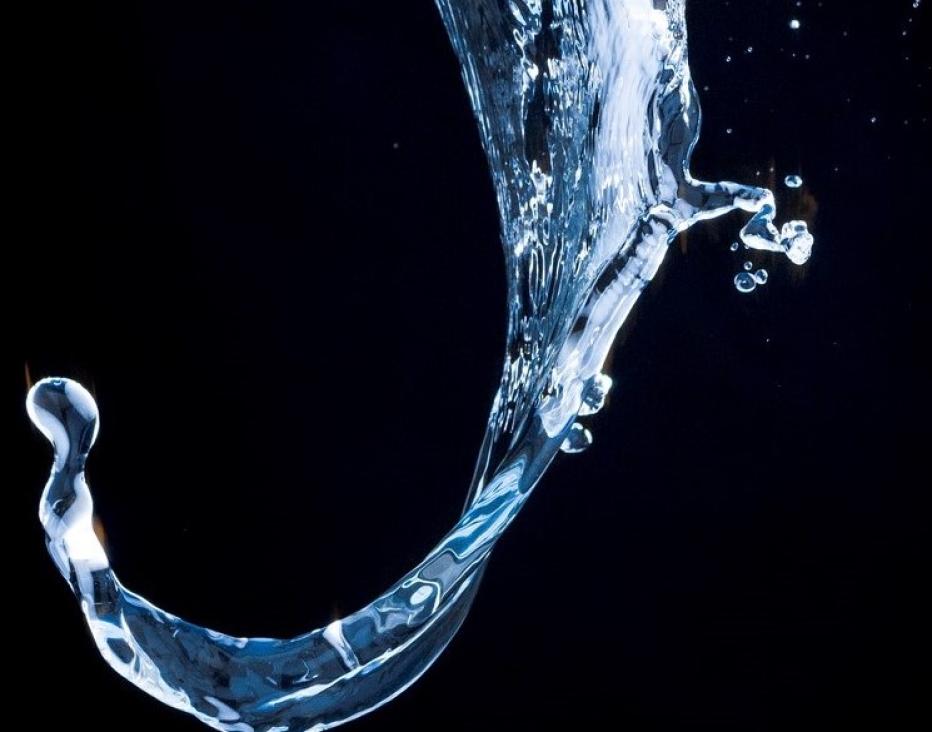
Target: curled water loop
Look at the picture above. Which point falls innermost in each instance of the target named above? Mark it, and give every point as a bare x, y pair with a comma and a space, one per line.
588, 117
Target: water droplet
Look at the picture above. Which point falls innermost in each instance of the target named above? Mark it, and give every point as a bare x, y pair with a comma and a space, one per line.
744, 282
793, 181
761, 276
797, 241
593, 397
795, 24
735, 246
577, 440
748, 266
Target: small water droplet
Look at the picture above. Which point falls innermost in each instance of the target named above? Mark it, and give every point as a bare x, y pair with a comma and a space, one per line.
761, 276
797, 241
577, 440
793, 181
735, 246
795, 24
744, 282
748, 266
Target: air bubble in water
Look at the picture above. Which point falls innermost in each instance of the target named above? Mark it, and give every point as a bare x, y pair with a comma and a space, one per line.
761, 276
793, 181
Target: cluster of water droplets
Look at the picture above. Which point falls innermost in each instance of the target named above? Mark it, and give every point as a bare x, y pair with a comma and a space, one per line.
748, 280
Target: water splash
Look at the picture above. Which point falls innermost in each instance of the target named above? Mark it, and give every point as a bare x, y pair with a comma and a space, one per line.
588, 116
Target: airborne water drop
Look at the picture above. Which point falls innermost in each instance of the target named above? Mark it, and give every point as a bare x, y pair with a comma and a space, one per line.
745, 282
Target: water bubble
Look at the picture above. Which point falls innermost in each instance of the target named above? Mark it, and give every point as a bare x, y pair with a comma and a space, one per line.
735, 246
593, 397
793, 181
795, 24
745, 282
761, 276
748, 266
577, 440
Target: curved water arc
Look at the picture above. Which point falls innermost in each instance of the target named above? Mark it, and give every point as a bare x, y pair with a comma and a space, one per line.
318, 679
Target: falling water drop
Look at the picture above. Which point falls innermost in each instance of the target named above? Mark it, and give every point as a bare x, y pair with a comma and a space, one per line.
577, 439
793, 181
748, 266
735, 246
761, 276
796, 241
745, 282
795, 24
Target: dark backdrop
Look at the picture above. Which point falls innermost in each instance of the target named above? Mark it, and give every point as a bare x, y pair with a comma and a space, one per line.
263, 234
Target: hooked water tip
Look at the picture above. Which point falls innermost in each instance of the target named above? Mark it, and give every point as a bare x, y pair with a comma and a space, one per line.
66, 413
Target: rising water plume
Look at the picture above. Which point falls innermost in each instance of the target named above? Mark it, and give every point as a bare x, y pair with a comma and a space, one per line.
588, 117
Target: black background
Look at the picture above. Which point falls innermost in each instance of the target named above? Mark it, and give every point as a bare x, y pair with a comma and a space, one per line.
263, 234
